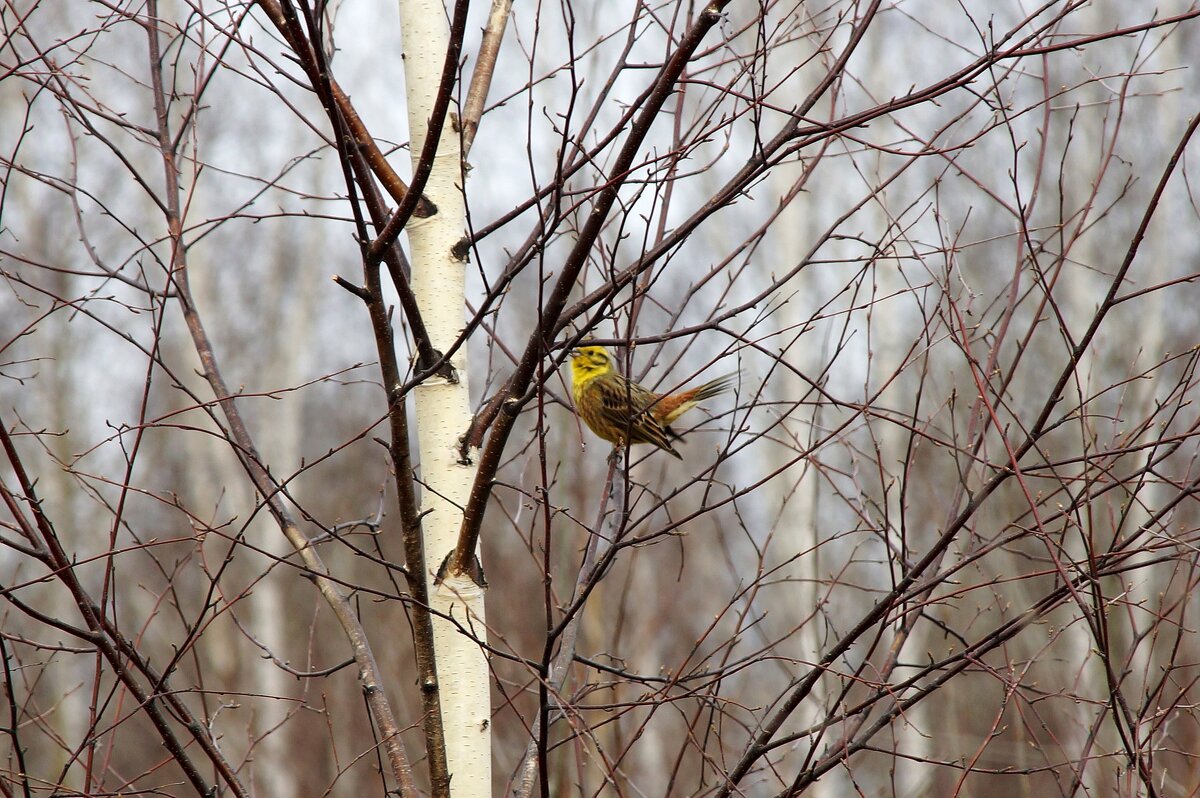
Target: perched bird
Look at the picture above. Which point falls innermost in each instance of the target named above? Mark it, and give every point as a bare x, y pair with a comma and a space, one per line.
621, 411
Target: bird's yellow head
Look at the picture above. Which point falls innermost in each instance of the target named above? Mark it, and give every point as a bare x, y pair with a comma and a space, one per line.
589, 362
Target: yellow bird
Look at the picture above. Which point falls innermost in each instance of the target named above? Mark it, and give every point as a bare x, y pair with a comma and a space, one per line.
621, 411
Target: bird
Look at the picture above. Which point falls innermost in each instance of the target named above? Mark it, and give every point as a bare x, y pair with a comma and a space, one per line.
620, 411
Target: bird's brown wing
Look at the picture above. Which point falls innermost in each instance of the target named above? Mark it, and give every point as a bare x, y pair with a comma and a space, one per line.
644, 427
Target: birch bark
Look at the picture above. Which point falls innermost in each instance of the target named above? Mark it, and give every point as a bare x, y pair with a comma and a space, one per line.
444, 412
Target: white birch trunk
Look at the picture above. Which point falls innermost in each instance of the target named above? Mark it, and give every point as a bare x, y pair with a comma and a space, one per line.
269, 601
444, 411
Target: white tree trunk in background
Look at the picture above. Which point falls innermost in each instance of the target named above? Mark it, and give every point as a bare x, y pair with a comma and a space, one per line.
444, 411
799, 489
270, 598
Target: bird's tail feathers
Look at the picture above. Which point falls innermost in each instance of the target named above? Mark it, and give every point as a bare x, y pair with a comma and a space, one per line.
714, 387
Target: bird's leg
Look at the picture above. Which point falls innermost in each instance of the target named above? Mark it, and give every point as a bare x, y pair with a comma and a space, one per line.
616, 455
